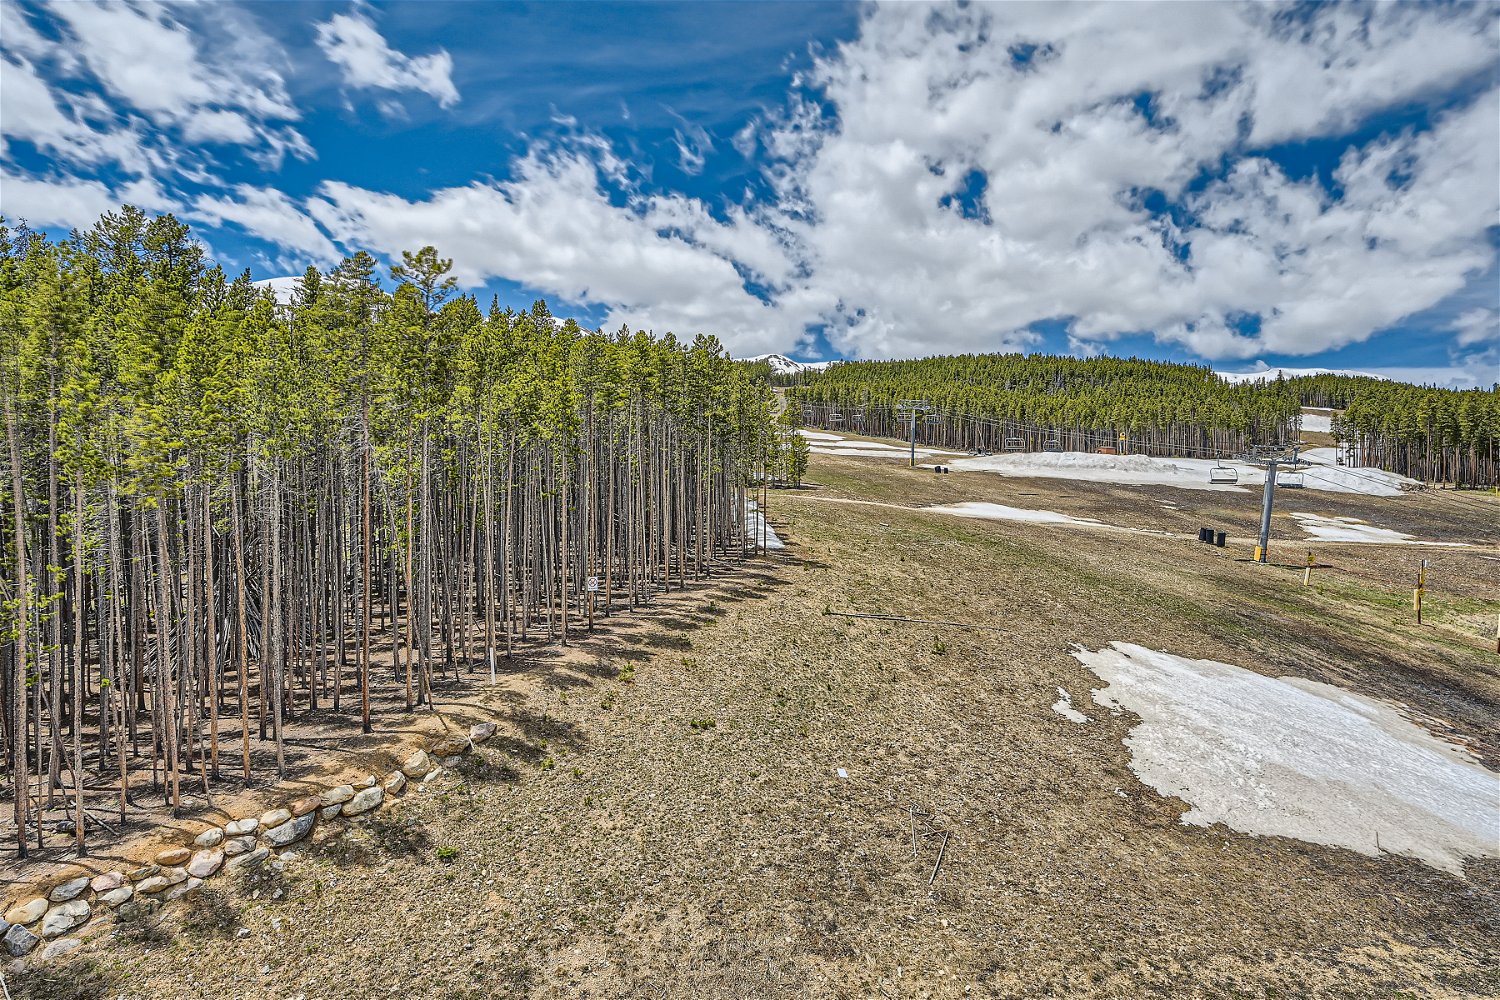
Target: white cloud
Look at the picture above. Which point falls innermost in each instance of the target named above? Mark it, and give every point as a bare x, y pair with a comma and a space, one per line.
72, 202
1478, 326
353, 44
553, 227
271, 215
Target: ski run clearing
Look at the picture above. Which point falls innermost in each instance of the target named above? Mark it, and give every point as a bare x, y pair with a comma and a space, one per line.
820, 443
1322, 474
1295, 758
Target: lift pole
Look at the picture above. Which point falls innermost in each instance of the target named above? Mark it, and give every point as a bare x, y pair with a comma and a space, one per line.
1271, 458
912, 407
1268, 499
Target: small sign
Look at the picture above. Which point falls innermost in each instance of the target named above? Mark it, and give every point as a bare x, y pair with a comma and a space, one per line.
1426, 563
592, 586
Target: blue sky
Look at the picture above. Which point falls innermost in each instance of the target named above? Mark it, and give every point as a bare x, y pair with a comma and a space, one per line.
1303, 185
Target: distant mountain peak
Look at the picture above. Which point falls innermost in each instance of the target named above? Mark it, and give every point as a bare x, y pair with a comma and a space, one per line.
783, 365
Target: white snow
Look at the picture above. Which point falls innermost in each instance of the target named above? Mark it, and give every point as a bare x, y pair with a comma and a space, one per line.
836, 444
1334, 528
1296, 758
1321, 423
283, 288
1000, 512
1063, 706
755, 524
1183, 473
783, 365
1268, 374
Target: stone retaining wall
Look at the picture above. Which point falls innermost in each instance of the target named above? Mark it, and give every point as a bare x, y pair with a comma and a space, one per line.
59, 915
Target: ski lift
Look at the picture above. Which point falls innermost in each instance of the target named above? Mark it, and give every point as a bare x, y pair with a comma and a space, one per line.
858, 416
1052, 445
1289, 480
835, 417
1014, 444
932, 420
1223, 475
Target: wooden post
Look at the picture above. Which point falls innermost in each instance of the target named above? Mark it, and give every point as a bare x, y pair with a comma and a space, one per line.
1420, 592
1307, 573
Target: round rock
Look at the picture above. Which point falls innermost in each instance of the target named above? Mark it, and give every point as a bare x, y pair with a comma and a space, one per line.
304, 806
417, 764
481, 731
71, 889
275, 817
19, 941
27, 912
290, 831
452, 746
116, 897
205, 863
336, 795
240, 827
65, 916
212, 837
235, 846
107, 881
173, 856
254, 859
60, 947
396, 783
363, 801
329, 812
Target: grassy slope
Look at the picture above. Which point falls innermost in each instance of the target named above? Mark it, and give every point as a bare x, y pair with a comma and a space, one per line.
616, 844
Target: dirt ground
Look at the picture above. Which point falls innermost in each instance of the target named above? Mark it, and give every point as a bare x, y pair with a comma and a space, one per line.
741, 796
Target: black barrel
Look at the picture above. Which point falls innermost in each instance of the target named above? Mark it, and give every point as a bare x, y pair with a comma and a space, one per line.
1219, 540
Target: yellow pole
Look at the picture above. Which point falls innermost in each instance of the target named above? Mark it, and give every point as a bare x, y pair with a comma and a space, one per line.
1307, 573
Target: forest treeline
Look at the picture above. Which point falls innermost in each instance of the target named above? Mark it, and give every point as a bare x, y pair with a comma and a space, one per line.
217, 504
1436, 435
981, 400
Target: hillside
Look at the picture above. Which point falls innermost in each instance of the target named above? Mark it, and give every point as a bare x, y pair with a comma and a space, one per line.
737, 793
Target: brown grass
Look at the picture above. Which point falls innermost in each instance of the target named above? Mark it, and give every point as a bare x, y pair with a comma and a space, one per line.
611, 844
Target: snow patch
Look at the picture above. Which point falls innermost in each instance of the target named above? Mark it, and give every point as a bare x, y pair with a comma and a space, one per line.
819, 435
284, 288
1063, 706
1320, 423
1322, 474
1323, 528
755, 524
1000, 512
1296, 758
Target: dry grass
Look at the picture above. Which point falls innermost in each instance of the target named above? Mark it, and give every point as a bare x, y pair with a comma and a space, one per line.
613, 843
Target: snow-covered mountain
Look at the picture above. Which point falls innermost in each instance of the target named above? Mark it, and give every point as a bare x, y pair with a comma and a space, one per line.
783, 365
1271, 374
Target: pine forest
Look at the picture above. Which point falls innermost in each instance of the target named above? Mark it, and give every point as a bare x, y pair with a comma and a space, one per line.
981, 402
220, 508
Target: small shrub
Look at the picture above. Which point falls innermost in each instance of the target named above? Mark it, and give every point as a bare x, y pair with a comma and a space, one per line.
547, 764
939, 647
627, 673
446, 853
702, 725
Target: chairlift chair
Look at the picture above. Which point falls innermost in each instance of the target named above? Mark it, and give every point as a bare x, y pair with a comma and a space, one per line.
932, 420
835, 417
1052, 445
1289, 480
1014, 444
1223, 474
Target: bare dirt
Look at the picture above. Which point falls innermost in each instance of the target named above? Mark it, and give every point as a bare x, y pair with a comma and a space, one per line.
664, 814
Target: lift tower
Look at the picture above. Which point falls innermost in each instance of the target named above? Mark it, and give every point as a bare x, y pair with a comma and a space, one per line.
1271, 458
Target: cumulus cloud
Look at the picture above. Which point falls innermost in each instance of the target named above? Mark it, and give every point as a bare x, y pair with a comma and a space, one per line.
552, 226
367, 60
